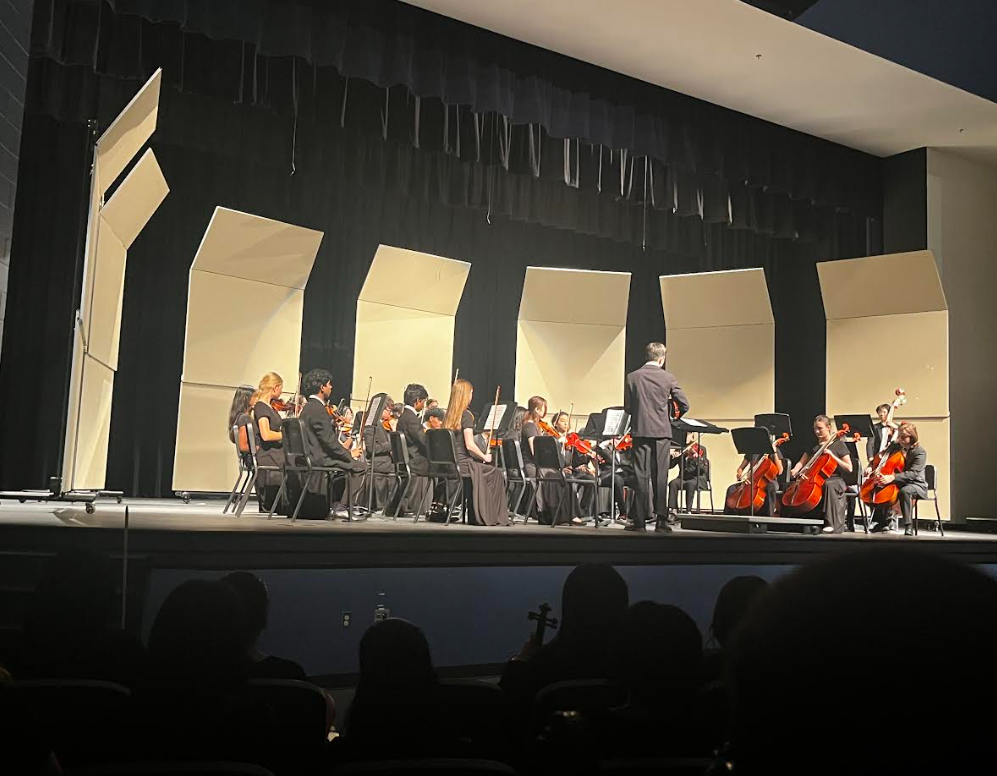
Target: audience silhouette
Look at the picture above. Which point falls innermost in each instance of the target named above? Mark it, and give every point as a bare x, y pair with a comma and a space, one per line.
731, 608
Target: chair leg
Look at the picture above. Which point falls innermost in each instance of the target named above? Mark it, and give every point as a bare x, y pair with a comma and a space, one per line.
245, 494
349, 498
938, 516
915, 516
864, 513
235, 492
276, 499
243, 487
305, 482
452, 502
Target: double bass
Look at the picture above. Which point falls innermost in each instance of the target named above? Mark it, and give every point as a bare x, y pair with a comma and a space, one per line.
889, 460
805, 492
751, 488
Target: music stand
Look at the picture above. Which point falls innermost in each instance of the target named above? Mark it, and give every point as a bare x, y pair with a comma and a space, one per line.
752, 441
697, 427
857, 424
776, 422
375, 408
503, 413
592, 426
611, 423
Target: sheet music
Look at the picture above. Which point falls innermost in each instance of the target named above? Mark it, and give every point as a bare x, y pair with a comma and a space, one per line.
613, 420
370, 417
494, 418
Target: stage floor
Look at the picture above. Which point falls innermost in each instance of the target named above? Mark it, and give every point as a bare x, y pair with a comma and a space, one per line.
171, 534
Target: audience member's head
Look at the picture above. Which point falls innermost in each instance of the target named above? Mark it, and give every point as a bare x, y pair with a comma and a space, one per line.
255, 599
732, 605
660, 653
77, 594
593, 601
867, 634
198, 637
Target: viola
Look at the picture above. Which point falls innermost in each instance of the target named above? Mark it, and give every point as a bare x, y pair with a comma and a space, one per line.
890, 460
754, 482
279, 405
674, 412
805, 492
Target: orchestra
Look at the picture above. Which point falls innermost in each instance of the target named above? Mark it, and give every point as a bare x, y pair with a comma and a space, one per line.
634, 467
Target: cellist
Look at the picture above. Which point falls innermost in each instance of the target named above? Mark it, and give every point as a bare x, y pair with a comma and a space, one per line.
768, 509
910, 480
832, 505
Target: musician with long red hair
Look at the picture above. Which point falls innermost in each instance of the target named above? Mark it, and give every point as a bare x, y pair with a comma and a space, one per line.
832, 506
910, 481
484, 484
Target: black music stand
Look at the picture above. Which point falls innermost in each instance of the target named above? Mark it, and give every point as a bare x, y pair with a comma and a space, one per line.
374, 410
777, 423
752, 441
503, 412
697, 427
856, 424
611, 423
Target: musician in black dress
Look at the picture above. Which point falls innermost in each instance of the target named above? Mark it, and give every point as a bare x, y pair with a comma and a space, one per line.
693, 466
269, 445
648, 392
410, 424
548, 493
377, 448
484, 484
910, 481
323, 446
832, 506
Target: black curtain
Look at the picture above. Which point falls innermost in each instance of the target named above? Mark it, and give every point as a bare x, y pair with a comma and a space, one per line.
285, 133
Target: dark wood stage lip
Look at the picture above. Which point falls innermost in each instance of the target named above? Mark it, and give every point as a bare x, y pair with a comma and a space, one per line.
171, 534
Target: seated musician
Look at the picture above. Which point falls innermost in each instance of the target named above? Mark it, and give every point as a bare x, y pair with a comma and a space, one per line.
433, 418
432, 404
832, 505
239, 417
269, 440
484, 484
515, 429
377, 445
883, 433
536, 411
693, 472
771, 505
598, 466
323, 445
561, 424
911, 482
410, 424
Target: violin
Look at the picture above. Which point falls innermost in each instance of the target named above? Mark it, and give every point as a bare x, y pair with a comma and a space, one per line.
888, 461
691, 450
576, 443
386, 425
547, 428
280, 405
544, 621
805, 492
754, 482
625, 444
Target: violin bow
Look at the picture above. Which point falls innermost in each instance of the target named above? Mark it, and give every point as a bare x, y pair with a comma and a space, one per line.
491, 431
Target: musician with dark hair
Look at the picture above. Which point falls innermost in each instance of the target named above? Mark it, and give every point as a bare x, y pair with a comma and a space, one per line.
910, 481
832, 506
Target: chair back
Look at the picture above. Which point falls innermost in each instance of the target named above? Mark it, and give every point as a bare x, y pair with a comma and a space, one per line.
589, 696
442, 448
399, 451
295, 452
300, 710
852, 477
240, 433
547, 453
512, 460
930, 476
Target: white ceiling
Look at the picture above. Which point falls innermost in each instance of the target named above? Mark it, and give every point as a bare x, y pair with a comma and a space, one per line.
709, 49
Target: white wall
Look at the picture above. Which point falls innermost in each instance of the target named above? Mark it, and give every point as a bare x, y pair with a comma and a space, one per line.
962, 233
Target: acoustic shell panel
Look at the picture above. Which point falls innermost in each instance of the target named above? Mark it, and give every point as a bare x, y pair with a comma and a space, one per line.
244, 310
721, 348
909, 322
128, 132
93, 409
571, 338
407, 306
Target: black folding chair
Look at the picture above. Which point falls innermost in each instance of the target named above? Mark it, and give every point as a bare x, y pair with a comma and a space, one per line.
298, 461
245, 461
931, 477
515, 477
403, 475
444, 467
550, 468
257, 467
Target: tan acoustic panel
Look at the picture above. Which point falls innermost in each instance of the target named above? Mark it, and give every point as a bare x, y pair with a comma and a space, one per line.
237, 330
893, 284
136, 199
205, 458
702, 299
129, 132
242, 245
108, 272
72, 415
570, 363
586, 297
412, 280
89, 464
727, 371
934, 435
90, 251
396, 346
913, 349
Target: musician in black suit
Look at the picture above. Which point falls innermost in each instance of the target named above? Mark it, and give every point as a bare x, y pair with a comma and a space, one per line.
322, 442
410, 424
648, 392
910, 481
882, 433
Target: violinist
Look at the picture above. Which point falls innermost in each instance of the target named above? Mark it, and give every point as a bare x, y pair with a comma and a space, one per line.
377, 444
323, 445
269, 440
694, 472
433, 418
410, 425
910, 480
561, 424
533, 421
770, 507
882, 432
484, 485
239, 417
832, 505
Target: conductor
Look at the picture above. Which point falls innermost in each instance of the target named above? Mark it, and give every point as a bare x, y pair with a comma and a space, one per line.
648, 395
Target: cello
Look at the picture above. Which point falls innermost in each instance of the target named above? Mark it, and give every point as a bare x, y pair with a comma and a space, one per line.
889, 460
753, 484
806, 491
